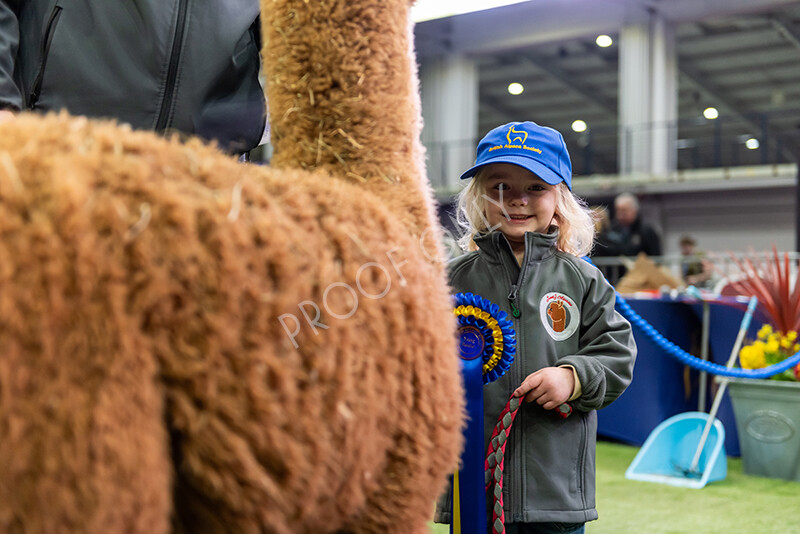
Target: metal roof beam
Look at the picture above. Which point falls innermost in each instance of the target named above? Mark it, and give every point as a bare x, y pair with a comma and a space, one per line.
571, 82
787, 29
734, 106
509, 113
548, 21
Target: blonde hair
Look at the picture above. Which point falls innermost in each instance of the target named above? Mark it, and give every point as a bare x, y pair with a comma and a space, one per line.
573, 217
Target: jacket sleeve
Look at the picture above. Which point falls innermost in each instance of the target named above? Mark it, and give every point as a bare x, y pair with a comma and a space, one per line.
10, 96
604, 362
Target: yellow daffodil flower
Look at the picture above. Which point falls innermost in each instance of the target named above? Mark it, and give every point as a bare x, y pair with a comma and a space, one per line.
765, 331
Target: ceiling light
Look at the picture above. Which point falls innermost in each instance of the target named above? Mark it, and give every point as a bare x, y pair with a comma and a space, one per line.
752, 143
515, 88
604, 41
578, 126
710, 113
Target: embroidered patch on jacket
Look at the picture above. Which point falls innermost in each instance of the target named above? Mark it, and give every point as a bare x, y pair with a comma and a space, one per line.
560, 315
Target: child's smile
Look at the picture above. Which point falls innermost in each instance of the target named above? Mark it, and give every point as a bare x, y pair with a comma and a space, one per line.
519, 219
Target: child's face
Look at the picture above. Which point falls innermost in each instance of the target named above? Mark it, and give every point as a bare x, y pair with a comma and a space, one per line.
521, 201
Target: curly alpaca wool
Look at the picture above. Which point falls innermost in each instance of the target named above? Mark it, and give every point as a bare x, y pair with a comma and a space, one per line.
147, 384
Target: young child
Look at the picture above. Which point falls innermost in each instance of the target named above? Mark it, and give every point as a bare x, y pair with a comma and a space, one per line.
527, 233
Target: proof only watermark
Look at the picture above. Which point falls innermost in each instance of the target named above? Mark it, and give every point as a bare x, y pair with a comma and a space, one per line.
340, 300
340, 292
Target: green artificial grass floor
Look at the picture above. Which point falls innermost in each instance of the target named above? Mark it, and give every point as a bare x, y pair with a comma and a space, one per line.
739, 504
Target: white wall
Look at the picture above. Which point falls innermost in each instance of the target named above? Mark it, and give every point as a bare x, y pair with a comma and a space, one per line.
735, 220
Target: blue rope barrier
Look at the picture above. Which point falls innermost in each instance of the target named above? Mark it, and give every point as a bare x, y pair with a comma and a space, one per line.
693, 361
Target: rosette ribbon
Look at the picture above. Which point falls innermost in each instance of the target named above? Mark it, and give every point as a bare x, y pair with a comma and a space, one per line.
487, 344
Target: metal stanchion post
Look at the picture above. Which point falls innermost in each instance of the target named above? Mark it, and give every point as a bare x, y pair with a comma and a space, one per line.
701, 390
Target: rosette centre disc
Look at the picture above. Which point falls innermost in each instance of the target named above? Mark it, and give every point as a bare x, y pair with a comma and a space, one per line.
471, 342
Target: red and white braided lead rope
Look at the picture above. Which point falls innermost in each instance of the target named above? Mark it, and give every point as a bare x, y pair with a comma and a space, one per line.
495, 458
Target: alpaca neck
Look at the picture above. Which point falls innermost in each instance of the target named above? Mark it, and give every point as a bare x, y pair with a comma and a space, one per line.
343, 97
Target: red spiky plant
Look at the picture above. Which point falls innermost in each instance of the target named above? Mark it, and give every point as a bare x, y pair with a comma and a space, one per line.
770, 280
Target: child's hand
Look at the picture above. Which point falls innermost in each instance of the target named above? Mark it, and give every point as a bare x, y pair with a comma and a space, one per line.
550, 387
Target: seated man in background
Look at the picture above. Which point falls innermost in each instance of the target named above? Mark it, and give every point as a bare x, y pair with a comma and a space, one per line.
695, 269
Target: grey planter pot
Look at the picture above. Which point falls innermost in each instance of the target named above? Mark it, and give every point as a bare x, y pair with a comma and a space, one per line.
767, 414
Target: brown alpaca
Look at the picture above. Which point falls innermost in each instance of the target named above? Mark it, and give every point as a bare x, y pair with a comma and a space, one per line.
188, 344
557, 314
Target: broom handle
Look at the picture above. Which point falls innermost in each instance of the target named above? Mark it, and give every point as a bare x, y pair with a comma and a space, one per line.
745, 324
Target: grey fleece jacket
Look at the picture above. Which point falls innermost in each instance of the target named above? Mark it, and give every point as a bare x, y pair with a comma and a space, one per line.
566, 317
162, 65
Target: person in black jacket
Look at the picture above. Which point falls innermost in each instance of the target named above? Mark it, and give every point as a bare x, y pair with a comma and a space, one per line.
628, 235
162, 65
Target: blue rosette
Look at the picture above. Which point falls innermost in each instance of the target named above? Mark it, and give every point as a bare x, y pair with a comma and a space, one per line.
486, 331
487, 345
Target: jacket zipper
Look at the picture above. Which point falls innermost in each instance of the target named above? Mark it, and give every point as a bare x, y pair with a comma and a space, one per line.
520, 438
172, 71
517, 437
514, 293
516, 482
512, 299
36, 88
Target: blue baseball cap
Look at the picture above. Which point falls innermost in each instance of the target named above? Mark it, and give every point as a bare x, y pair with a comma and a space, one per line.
538, 149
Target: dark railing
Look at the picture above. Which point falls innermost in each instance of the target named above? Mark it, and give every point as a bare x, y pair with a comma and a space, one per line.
700, 143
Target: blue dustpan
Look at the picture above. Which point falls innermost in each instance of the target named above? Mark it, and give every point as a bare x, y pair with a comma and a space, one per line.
667, 455
688, 449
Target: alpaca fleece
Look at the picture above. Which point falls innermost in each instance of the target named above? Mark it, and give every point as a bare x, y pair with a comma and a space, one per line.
188, 344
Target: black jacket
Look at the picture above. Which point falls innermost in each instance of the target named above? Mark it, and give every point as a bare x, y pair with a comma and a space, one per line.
160, 65
621, 241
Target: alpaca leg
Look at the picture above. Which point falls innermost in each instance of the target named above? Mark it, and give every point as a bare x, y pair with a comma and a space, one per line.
134, 465
399, 507
407, 490
84, 447
83, 444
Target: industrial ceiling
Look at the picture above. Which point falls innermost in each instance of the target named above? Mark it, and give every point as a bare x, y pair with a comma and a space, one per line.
741, 57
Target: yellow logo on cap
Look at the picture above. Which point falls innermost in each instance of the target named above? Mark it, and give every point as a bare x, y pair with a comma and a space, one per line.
516, 139
520, 136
